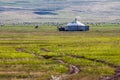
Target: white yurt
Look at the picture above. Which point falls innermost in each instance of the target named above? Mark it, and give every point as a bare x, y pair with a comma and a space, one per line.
76, 26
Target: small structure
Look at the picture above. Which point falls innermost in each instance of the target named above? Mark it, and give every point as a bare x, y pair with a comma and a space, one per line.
36, 26
74, 26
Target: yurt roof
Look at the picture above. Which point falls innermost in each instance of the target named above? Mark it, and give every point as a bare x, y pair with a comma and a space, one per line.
75, 23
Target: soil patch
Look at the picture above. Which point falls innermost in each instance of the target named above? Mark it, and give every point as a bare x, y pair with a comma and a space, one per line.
19, 50
72, 68
116, 75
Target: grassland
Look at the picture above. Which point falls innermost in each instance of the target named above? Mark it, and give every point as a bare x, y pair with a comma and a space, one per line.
35, 54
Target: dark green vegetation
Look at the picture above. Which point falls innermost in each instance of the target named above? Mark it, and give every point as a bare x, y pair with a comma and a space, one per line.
33, 54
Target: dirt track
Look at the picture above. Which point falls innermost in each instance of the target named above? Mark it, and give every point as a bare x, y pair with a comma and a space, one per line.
74, 69
116, 75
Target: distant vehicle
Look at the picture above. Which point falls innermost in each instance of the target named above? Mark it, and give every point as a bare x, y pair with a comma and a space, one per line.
74, 26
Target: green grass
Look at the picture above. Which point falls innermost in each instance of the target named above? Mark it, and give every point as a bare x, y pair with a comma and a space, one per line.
22, 49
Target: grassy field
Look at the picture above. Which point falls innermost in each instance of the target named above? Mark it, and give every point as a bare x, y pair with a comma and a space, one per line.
27, 53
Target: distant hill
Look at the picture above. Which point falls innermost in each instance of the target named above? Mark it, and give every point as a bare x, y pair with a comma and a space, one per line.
18, 11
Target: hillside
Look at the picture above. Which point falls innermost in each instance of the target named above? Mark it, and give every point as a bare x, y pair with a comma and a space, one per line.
59, 10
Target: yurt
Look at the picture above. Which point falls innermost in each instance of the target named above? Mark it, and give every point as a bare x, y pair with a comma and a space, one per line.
75, 26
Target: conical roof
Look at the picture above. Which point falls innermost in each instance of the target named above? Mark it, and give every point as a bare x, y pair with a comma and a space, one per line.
75, 23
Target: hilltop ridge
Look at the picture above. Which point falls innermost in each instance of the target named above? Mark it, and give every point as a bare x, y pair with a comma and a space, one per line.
59, 10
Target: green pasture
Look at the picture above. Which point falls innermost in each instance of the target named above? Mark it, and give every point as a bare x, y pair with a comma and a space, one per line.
22, 48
